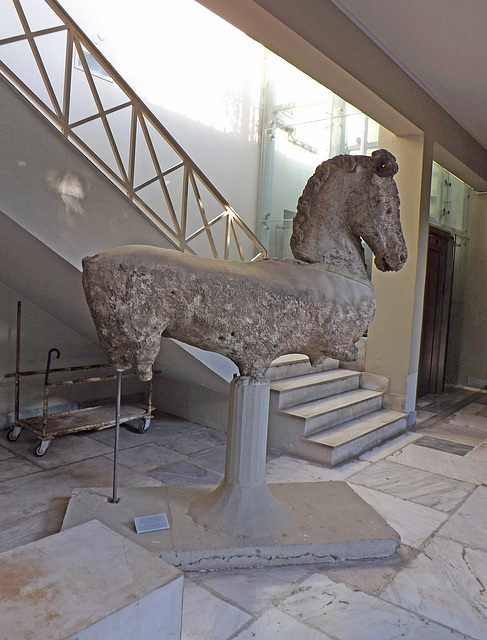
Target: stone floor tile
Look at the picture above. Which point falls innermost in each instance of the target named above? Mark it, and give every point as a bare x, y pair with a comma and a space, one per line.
469, 523
206, 617
4, 451
455, 433
184, 473
415, 523
386, 448
29, 528
480, 452
213, 459
29, 495
464, 468
197, 443
145, 457
158, 433
16, 467
422, 415
369, 576
290, 469
62, 450
278, 625
441, 444
428, 489
346, 614
254, 589
468, 420
473, 407
445, 583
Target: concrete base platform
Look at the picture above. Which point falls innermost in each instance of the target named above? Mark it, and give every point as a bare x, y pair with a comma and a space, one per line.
328, 522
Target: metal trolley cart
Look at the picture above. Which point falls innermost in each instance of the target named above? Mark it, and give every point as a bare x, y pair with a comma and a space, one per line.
52, 425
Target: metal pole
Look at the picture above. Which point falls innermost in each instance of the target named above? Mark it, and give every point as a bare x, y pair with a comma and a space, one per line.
17, 362
114, 497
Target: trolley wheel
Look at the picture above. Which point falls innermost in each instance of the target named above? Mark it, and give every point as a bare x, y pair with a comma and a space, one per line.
41, 448
14, 433
143, 425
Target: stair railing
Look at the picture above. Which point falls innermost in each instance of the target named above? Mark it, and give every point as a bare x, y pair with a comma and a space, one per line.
139, 156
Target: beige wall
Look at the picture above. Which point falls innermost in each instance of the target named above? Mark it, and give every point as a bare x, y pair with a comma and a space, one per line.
394, 335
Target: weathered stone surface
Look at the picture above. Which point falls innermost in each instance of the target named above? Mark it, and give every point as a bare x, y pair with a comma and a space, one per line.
253, 312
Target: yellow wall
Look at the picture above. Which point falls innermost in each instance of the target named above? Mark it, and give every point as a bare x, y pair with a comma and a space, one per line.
394, 335
473, 359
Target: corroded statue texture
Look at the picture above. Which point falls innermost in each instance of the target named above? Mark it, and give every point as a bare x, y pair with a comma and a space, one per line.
319, 304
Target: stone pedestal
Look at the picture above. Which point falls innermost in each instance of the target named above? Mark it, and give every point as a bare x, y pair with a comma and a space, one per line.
242, 505
243, 522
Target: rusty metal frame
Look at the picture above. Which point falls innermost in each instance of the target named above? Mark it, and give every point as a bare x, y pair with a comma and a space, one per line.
42, 429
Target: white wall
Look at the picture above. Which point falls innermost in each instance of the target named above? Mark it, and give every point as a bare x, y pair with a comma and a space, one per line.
199, 75
51, 190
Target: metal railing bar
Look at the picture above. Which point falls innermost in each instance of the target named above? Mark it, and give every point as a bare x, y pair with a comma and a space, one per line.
140, 113
184, 202
37, 57
132, 150
40, 32
74, 137
237, 241
210, 224
99, 105
105, 112
239, 222
156, 178
116, 77
155, 162
148, 209
227, 238
201, 207
68, 68
31, 95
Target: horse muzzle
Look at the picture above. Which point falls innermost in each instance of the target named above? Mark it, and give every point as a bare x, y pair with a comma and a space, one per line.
391, 262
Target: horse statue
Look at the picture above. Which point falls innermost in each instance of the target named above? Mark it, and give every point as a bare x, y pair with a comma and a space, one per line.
318, 304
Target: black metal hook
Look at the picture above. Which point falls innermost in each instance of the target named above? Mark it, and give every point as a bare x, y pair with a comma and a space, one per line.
48, 368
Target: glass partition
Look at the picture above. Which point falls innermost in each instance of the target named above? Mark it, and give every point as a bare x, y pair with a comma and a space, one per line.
304, 124
450, 202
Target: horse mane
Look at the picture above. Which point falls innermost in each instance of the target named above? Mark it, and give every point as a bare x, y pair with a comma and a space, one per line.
313, 186
381, 162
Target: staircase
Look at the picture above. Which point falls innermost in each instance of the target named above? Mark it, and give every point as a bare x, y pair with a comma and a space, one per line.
328, 414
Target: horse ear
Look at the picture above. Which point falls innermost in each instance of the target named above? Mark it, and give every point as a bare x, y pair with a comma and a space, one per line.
385, 164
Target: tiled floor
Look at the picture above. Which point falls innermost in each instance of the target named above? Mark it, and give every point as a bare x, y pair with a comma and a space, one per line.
429, 484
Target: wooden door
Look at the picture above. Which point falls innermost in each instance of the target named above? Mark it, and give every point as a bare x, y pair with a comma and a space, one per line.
436, 312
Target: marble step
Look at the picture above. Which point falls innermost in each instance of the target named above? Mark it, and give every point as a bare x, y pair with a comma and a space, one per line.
296, 364
329, 412
348, 440
313, 386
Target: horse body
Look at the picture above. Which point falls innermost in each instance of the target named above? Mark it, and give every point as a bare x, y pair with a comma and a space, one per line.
253, 312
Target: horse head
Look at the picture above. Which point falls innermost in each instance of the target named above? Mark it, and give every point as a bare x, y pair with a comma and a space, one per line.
350, 198
378, 222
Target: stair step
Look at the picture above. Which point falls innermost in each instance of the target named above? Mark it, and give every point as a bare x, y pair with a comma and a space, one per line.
329, 412
296, 364
355, 436
301, 389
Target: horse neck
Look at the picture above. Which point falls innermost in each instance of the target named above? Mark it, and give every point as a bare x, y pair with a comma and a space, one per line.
326, 238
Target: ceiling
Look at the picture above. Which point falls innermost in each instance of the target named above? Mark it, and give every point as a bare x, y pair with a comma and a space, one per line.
441, 45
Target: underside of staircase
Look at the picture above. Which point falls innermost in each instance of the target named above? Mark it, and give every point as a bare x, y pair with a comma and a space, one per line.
326, 414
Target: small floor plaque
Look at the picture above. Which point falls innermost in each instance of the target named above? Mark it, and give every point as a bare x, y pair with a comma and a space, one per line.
157, 522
